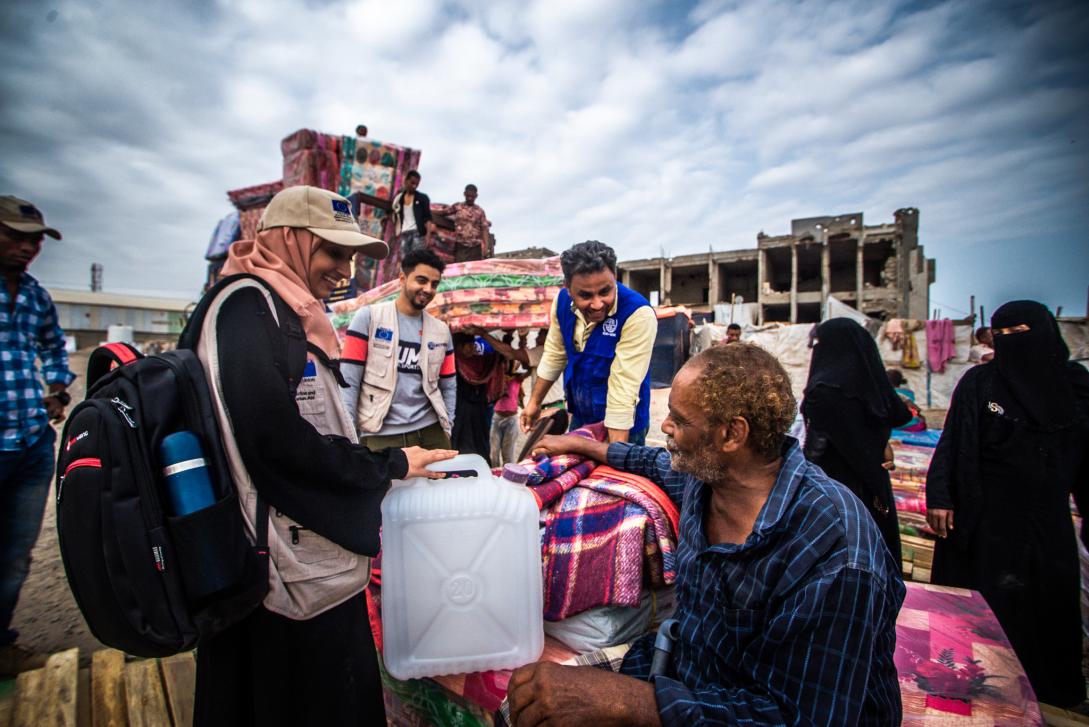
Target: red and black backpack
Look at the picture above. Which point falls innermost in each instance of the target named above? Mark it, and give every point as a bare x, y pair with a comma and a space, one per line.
148, 582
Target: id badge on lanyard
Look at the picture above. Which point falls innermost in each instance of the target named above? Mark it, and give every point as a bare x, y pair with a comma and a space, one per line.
310, 396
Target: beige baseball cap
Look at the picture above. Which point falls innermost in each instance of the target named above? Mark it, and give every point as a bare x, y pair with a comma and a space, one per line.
22, 216
325, 213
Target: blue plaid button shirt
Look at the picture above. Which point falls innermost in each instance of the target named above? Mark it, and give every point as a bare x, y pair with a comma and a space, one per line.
795, 626
28, 332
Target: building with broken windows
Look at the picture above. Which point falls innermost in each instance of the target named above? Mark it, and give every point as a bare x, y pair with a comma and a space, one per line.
878, 269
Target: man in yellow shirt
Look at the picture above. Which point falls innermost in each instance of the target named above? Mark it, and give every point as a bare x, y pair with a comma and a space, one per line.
601, 338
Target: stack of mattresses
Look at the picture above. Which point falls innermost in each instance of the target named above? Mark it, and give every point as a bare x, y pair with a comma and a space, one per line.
250, 203
909, 486
443, 241
909, 491
311, 158
376, 170
493, 294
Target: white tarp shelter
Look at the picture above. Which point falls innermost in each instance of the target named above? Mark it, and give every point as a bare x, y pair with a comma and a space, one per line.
790, 344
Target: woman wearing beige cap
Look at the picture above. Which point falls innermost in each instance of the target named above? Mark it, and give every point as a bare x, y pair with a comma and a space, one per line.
306, 656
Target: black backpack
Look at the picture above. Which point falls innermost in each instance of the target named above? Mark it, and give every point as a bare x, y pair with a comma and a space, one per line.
148, 582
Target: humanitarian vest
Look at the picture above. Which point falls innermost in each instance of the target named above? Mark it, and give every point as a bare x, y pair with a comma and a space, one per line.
380, 374
308, 573
586, 378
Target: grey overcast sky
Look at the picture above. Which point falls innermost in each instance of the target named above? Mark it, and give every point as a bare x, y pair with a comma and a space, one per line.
653, 126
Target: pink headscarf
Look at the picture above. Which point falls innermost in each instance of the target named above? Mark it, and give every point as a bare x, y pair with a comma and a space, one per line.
280, 256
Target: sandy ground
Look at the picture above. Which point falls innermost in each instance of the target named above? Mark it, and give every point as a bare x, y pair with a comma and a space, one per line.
47, 617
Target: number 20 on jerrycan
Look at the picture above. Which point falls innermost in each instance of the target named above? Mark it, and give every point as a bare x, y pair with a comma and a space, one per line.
461, 573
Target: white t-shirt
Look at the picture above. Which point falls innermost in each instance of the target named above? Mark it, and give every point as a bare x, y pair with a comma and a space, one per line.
978, 351
556, 392
408, 222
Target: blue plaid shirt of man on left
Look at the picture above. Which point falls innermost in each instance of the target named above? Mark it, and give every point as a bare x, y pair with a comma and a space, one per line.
795, 626
28, 331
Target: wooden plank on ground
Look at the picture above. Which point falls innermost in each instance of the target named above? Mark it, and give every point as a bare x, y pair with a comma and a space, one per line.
108, 707
180, 680
29, 687
7, 702
7, 709
59, 690
144, 695
83, 698
1056, 717
919, 551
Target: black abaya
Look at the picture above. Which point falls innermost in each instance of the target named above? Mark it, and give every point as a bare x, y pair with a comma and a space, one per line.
850, 409
1008, 477
270, 670
849, 445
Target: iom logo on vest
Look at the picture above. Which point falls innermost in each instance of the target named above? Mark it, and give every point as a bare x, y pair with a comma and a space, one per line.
608, 328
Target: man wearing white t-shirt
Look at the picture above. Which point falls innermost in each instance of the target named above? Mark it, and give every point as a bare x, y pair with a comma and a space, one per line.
412, 216
983, 350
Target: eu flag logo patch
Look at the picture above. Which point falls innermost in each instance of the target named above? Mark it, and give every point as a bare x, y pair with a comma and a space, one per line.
342, 211
384, 334
310, 371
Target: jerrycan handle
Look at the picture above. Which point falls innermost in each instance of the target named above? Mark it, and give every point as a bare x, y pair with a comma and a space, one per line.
463, 465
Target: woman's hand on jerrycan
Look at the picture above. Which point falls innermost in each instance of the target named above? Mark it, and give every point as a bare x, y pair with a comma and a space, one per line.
419, 458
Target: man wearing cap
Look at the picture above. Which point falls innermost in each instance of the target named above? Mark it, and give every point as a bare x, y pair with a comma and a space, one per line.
28, 332
398, 360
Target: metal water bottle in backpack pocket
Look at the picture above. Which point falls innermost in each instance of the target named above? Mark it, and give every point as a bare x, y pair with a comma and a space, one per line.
186, 473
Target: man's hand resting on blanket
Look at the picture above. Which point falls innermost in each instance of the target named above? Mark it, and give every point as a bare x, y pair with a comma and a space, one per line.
550, 694
552, 444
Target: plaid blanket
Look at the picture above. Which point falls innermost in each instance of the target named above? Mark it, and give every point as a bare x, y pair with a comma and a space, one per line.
600, 527
551, 477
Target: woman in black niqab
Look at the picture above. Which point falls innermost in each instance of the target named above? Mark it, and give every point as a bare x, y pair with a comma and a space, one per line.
1014, 448
850, 409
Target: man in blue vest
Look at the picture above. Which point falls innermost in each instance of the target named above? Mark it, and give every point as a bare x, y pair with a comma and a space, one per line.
601, 338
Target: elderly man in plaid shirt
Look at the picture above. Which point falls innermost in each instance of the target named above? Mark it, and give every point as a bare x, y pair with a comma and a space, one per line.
28, 332
787, 595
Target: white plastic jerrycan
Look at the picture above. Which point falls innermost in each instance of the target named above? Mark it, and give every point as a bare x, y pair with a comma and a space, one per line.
461, 573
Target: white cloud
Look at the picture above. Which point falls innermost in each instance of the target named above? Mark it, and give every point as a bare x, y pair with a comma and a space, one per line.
616, 120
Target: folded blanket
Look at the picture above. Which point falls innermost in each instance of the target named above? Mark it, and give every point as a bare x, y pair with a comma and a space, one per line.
607, 534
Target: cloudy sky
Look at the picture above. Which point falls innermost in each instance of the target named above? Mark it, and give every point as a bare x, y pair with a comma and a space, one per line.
654, 126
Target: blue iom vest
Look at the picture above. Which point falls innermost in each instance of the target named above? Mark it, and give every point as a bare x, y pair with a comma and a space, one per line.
586, 378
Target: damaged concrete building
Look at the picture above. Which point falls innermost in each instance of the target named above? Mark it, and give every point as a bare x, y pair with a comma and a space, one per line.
878, 269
